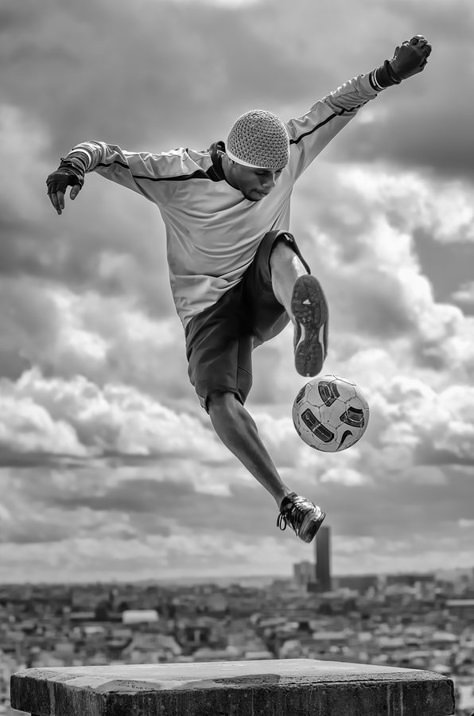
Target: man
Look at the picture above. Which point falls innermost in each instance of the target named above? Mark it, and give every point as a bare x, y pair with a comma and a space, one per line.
236, 273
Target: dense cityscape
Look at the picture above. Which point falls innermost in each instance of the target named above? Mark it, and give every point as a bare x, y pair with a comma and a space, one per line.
422, 621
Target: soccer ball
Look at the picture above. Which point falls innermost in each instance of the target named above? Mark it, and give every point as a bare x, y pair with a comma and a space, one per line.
330, 413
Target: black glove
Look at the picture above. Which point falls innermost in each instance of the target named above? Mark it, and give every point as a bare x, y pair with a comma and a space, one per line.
66, 175
63, 177
408, 59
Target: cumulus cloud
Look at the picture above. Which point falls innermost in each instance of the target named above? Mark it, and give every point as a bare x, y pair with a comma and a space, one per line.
79, 418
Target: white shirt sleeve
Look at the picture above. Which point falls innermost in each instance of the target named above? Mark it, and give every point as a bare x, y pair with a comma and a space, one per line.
151, 175
310, 133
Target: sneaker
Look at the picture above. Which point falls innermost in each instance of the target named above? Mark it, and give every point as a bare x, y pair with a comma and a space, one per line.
304, 517
310, 311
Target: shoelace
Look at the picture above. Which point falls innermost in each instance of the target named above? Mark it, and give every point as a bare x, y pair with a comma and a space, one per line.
293, 515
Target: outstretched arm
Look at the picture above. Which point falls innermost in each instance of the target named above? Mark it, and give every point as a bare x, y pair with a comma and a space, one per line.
143, 172
107, 159
310, 133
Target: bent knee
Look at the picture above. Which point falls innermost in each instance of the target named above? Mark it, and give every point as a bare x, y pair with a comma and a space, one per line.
283, 249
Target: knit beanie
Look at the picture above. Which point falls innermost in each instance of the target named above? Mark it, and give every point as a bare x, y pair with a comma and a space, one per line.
259, 139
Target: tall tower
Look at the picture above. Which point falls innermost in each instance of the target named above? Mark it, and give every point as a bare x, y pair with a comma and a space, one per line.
323, 560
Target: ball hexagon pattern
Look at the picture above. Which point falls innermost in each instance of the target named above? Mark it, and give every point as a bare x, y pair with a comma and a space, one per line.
330, 413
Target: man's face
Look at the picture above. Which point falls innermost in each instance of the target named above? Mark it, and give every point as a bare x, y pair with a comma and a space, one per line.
254, 184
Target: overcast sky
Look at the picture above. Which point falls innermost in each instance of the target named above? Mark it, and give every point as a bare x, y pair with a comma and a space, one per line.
109, 467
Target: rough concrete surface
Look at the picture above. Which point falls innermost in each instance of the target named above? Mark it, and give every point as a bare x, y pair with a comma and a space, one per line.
288, 687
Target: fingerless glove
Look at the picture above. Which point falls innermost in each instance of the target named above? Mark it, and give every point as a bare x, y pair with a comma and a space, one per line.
64, 176
72, 168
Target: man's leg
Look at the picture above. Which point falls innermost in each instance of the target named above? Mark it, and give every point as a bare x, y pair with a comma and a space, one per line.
303, 299
238, 431
219, 345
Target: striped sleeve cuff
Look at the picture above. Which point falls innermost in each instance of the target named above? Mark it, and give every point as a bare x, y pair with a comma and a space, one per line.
79, 159
373, 81
384, 76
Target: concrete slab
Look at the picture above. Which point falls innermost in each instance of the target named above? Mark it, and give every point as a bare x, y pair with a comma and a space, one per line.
289, 687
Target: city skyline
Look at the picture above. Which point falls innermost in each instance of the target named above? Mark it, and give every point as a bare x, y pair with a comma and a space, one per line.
410, 623
109, 468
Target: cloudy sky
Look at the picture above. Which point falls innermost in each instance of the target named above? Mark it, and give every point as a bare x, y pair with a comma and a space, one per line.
109, 467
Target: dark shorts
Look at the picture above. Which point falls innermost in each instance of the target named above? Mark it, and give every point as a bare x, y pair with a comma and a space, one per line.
220, 339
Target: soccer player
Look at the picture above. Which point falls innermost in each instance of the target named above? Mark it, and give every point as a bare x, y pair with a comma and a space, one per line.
236, 273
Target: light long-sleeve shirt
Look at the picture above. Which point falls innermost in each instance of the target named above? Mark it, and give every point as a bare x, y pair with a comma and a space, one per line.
212, 230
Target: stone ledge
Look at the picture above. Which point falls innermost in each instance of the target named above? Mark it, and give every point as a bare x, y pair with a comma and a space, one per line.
288, 687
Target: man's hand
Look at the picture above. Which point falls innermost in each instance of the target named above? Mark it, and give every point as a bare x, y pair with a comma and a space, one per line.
410, 57
58, 182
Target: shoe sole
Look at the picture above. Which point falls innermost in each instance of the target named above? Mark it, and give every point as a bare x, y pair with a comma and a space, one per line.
310, 311
309, 532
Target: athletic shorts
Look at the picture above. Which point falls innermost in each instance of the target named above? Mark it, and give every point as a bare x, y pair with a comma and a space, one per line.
220, 339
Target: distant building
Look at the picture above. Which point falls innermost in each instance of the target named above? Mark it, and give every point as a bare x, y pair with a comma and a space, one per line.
216, 603
408, 580
303, 573
139, 616
360, 582
323, 560
462, 608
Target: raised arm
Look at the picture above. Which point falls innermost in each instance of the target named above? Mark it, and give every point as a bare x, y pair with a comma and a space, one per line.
310, 133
